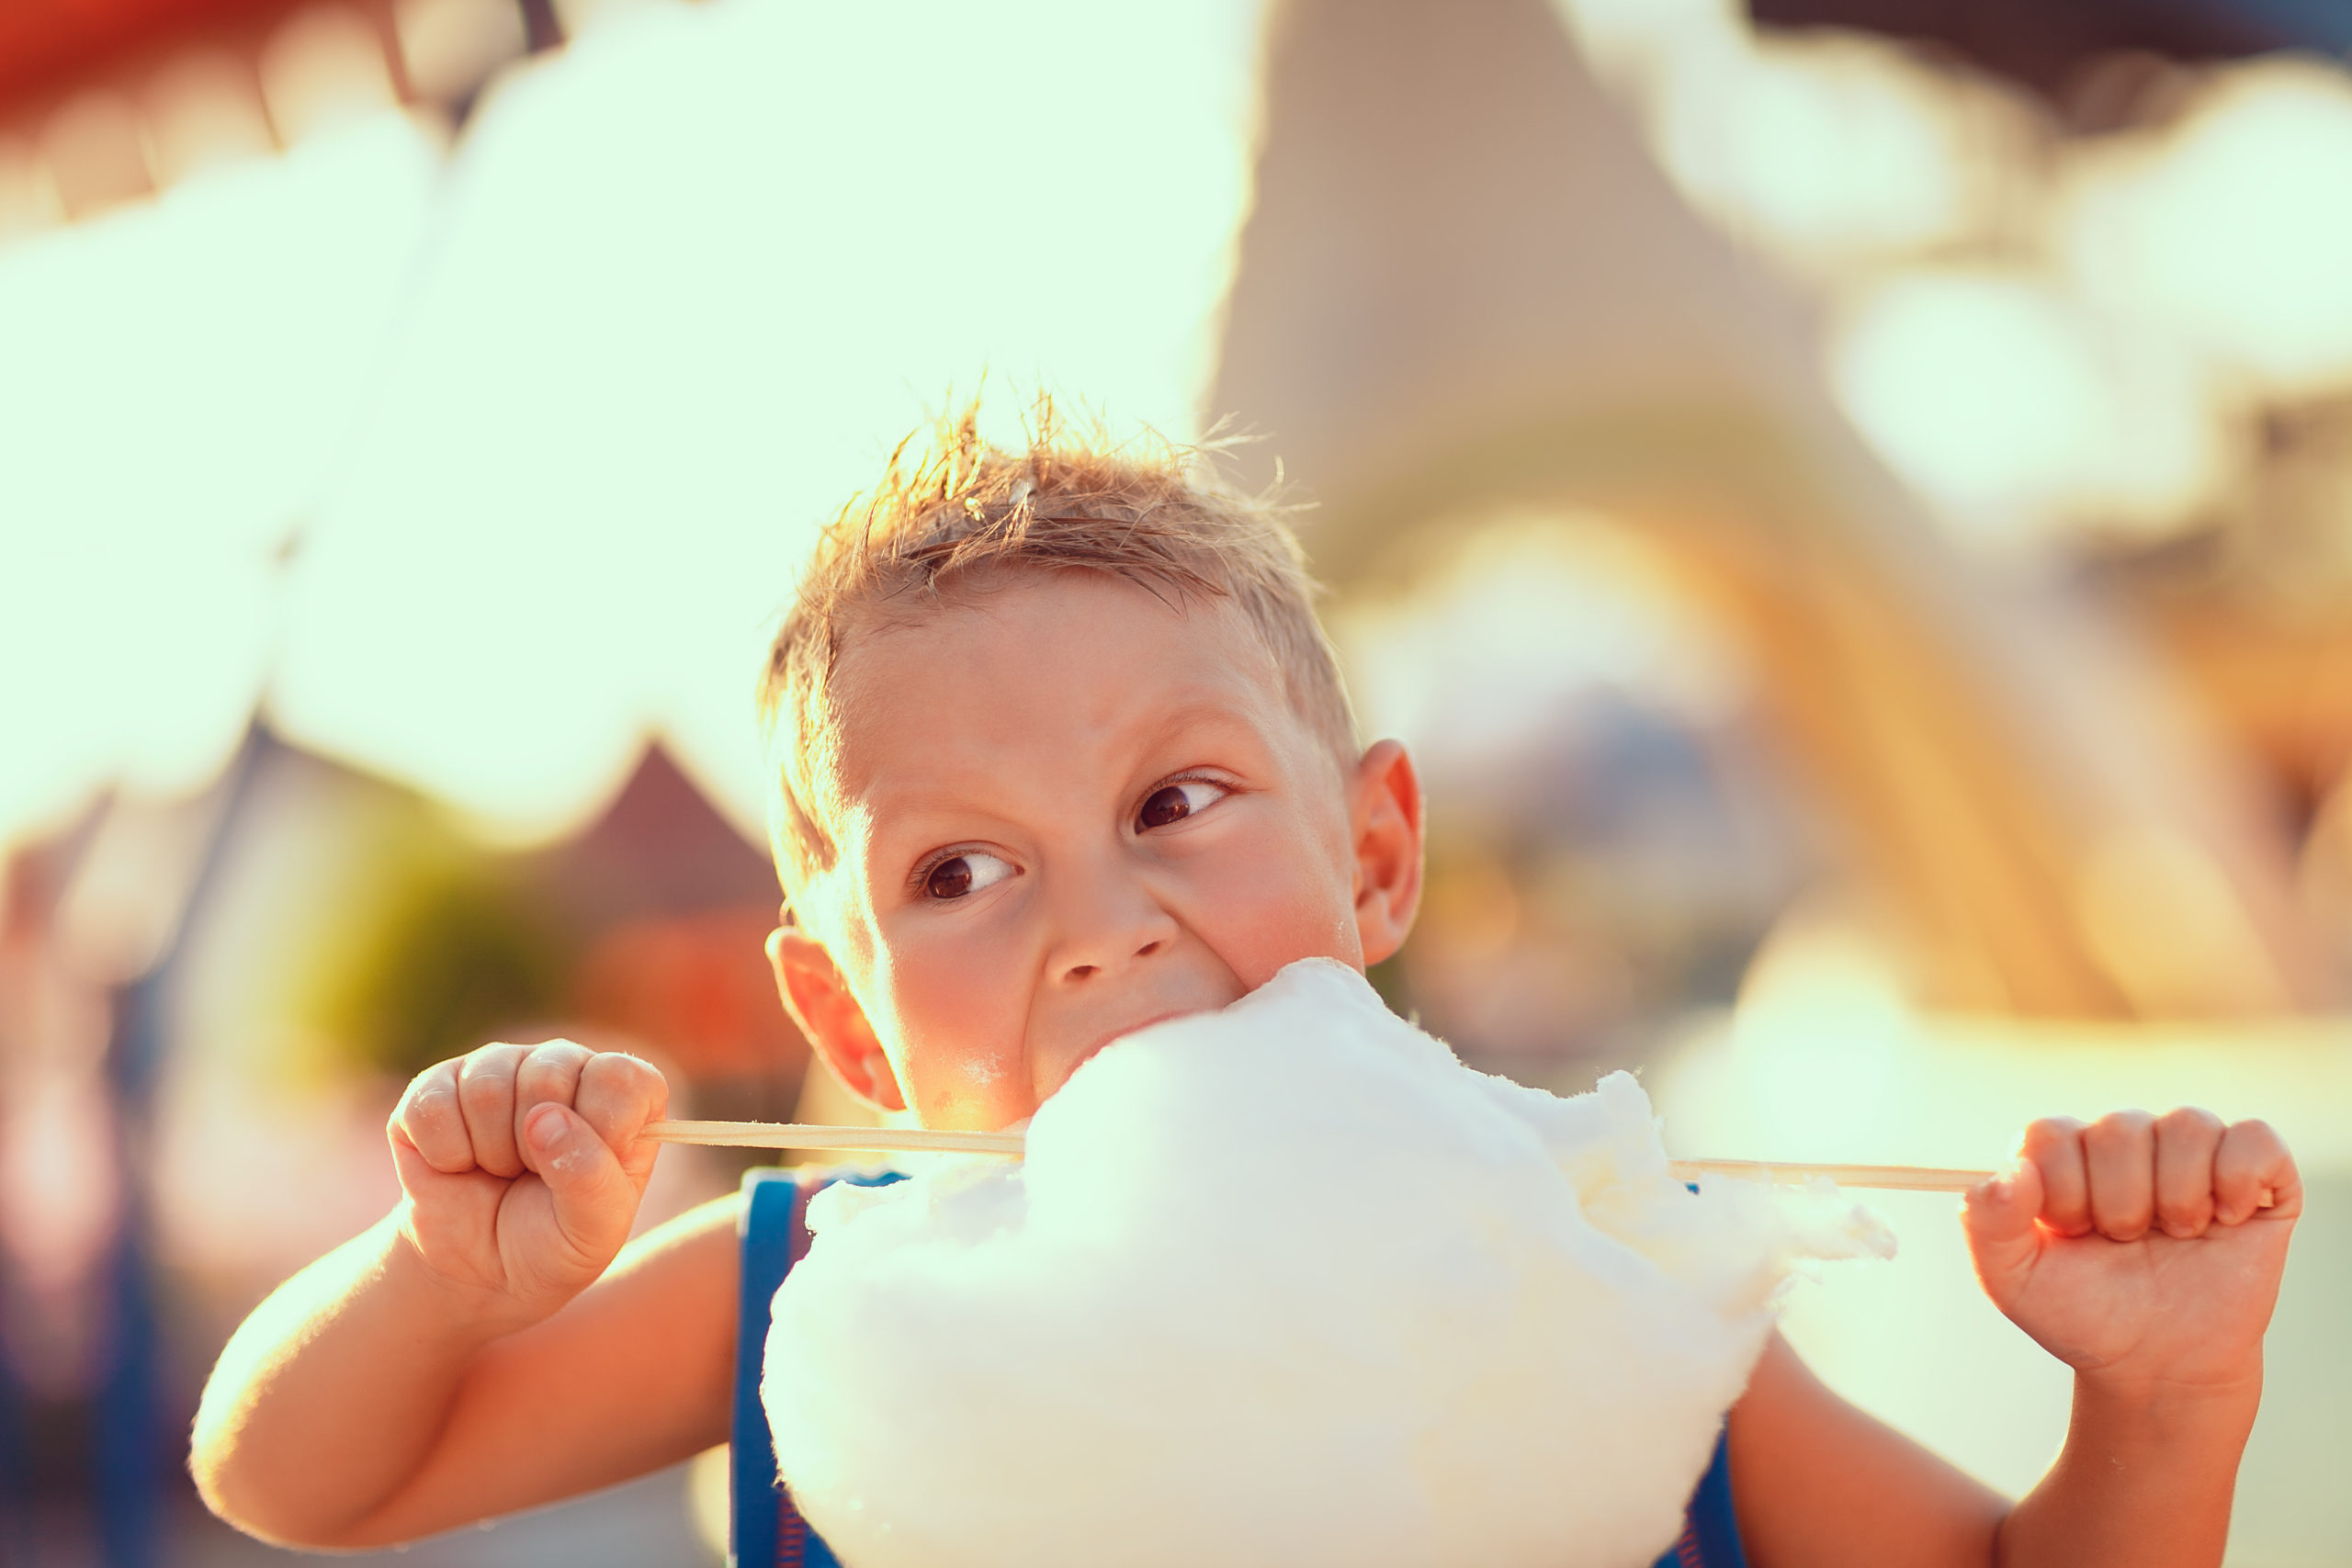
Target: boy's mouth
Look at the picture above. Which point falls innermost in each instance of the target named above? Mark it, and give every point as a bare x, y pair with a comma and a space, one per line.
1121, 1032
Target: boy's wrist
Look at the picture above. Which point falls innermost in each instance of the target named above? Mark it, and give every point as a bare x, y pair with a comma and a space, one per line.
2145, 1479
472, 1314
2121, 1401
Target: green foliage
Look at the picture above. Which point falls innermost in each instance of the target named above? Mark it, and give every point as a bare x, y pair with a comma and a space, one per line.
439, 954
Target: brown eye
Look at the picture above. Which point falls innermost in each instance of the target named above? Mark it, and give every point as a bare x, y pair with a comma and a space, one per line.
964, 873
1179, 801
1166, 807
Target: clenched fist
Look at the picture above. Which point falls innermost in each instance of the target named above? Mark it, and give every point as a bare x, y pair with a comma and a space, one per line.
2143, 1251
522, 1169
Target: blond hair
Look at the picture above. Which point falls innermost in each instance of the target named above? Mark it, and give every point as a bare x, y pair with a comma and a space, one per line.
1146, 510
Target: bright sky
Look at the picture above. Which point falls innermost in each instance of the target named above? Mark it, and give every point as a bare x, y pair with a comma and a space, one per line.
174, 379
504, 466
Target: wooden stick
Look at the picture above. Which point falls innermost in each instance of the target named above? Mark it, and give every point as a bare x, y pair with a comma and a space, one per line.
921, 1140
1882, 1178
803, 1136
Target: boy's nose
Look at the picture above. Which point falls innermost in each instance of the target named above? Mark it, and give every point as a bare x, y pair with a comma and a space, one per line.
1107, 922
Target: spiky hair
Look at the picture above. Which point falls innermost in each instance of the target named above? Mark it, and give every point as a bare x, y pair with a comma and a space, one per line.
951, 509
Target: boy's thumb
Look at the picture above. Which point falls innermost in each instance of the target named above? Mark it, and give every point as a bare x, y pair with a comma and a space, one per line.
594, 1200
1999, 1219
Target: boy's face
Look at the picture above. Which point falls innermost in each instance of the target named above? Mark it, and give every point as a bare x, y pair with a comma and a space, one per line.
1064, 809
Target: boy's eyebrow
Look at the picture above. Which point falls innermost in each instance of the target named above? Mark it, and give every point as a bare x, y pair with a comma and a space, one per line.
1196, 712
1211, 712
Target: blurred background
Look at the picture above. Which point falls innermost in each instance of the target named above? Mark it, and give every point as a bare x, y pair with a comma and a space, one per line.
1849, 500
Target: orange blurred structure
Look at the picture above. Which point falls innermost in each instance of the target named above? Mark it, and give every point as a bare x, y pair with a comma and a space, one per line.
1466, 290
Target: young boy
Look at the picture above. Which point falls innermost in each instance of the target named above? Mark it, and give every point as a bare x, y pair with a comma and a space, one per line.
1060, 753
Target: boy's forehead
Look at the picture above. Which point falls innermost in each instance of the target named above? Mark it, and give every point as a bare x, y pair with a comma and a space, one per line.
1043, 663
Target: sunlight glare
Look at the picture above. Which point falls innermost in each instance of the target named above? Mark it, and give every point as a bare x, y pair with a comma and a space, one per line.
698, 275
175, 380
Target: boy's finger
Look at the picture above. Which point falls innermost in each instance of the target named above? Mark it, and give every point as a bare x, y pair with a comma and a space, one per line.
2003, 1239
486, 1094
595, 1203
551, 1073
417, 1174
2251, 1164
2186, 1140
429, 1121
2119, 1150
2054, 1146
618, 1095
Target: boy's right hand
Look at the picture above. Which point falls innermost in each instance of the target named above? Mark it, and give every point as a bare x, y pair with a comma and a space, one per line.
522, 1167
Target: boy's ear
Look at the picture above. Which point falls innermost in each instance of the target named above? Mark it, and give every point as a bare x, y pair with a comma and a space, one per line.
1385, 817
820, 1002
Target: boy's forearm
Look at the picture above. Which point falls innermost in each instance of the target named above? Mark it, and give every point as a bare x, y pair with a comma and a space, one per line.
330, 1397
2147, 1479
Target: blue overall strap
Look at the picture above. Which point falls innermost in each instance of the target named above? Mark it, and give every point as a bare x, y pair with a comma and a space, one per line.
1710, 1536
765, 1529
772, 1201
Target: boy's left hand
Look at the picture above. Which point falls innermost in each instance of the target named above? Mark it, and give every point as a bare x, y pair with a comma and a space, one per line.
2139, 1250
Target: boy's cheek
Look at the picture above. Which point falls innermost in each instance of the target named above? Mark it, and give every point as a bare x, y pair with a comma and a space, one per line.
1269, 905
956, 1028
978, 1091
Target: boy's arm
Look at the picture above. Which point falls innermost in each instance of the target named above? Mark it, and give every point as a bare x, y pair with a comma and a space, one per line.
430, 1372
1820, 1485
2142, 1254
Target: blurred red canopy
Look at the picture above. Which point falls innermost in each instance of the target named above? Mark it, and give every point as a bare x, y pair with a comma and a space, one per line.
48, 46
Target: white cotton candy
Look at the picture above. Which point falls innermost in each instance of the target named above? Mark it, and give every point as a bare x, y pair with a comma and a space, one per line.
1280, 1285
